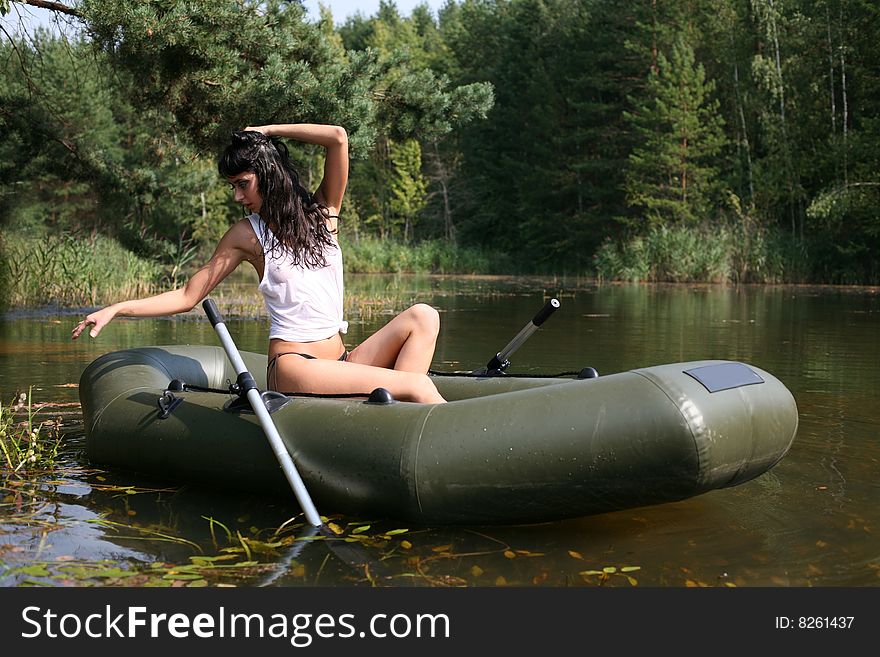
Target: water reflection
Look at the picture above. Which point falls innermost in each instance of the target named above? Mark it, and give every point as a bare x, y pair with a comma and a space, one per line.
812, 520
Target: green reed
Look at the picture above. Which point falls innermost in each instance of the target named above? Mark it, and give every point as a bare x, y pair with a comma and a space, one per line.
69, 270
370, 255
26, 445
726, 252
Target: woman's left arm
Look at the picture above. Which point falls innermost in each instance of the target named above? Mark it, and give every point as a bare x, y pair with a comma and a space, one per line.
335, 140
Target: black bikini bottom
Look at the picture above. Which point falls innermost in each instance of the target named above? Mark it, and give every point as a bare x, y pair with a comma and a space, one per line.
343, 357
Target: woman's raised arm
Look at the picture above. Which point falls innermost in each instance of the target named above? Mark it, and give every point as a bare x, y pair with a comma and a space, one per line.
335, 140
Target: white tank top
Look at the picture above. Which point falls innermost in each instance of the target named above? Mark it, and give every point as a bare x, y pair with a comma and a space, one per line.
304, 304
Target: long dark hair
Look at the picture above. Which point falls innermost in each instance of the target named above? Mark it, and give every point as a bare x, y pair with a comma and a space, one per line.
298, 223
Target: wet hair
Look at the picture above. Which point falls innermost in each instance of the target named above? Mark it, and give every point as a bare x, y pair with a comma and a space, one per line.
299, 224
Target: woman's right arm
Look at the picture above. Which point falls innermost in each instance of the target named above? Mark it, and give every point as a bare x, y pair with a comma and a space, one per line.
237, 244
334, 139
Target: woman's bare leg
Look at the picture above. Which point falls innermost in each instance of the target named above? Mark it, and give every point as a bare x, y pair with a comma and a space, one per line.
320, 376
395, 357
406, 343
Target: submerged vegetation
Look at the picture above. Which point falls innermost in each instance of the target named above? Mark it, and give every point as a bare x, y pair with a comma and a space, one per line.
370, 554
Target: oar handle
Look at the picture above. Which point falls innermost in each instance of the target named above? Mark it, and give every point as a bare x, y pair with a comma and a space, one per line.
212, 312
549, 308
249, 387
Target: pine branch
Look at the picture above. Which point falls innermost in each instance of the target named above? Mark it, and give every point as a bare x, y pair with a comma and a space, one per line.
52, 6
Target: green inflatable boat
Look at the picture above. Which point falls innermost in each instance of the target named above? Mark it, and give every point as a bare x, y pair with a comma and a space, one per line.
504, 450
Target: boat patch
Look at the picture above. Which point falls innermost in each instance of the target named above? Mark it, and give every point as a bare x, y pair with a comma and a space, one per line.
724, 376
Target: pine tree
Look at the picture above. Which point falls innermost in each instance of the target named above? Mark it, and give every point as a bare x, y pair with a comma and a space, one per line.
673, 173
408, 186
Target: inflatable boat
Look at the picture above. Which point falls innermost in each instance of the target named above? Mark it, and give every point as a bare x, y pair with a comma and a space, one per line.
504, 450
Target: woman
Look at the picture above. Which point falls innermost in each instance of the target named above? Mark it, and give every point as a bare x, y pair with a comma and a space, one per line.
290, 239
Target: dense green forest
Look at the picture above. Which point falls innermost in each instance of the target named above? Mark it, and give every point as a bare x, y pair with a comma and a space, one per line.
715, 140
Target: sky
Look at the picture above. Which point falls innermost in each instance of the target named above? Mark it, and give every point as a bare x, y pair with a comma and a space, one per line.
342, 9
31, 17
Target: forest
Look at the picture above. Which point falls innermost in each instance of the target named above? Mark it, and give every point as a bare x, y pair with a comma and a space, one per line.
731, 141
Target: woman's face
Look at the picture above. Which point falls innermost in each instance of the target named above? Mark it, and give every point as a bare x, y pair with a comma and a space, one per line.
246, 191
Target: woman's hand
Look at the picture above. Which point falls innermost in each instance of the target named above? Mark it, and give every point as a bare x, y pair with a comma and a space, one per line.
263, 129
98, 320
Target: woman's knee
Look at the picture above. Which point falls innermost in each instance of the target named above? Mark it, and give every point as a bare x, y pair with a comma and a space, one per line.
426, 318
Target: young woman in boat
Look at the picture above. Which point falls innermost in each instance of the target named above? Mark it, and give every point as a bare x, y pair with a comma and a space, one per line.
290, 239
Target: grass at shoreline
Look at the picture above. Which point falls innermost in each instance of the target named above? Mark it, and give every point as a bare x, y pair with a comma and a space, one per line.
370, 255
38, 269
734, 252
65, 270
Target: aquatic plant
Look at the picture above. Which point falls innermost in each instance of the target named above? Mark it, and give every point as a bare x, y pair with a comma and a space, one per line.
27, 446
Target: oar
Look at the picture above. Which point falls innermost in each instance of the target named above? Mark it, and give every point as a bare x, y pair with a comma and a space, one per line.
500, 361
247, 384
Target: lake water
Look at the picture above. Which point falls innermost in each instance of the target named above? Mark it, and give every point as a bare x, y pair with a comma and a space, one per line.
813, 520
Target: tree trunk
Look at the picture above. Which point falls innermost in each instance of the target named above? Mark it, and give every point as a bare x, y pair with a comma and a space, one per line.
845, 116
745, 132
831, 74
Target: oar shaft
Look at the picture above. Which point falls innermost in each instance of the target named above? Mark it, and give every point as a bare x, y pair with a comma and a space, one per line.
517, 342
525, 333
283, 456
262, 413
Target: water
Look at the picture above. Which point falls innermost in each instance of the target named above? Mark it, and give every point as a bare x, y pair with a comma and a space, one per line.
811, 521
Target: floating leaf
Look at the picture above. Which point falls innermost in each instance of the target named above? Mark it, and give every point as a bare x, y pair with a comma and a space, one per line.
406, 545
208, 560
610, 570
632, 580
336, 529
395, 532
360, 530
33, 571
576, 555
476, 571
590, 572
442, 548
111, 572
500, 581
197, 583
630, 569
509, 554
261, 547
